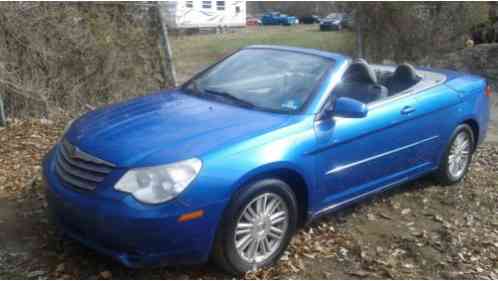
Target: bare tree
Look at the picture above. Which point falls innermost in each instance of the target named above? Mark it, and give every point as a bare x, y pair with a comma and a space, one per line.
416, 30
167, 65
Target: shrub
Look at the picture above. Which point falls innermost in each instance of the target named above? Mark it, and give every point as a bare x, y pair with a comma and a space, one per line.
64, 56
413, 31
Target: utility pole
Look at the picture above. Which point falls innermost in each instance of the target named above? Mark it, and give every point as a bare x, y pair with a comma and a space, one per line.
167, 65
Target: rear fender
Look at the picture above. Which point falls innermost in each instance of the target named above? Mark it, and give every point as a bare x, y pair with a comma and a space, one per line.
475, 103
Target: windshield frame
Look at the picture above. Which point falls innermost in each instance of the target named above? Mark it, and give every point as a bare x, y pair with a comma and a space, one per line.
313, 91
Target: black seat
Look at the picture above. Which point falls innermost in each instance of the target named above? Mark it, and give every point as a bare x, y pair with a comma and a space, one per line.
403, 78
360, 83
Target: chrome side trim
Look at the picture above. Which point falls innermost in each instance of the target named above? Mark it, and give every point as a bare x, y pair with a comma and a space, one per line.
342, 167
333, 206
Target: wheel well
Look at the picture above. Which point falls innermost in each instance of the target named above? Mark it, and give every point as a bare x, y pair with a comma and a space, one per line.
475, 130
296, 182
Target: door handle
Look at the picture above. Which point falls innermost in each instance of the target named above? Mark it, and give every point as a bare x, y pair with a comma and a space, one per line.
407, 109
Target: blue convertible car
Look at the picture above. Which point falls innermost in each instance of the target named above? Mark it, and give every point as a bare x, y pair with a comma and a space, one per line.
229, 164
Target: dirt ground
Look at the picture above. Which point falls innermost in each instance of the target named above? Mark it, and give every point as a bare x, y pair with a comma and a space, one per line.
419, 230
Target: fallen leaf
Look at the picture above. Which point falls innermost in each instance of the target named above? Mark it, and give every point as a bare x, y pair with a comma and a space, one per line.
105, 274
405, 211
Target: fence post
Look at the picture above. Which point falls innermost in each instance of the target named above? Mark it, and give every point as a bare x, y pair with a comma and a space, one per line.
3, 121
167, 64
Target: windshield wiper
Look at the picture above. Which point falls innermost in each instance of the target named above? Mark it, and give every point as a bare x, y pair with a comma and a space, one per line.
230, 97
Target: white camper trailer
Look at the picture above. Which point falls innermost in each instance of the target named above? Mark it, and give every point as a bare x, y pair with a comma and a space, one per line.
205, 14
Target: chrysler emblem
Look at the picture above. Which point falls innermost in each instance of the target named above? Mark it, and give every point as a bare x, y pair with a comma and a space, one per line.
74, 152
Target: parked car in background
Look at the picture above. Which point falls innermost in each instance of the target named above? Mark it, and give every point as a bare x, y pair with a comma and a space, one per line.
332, 22
288, 20
272, 18
276, 18
309, 19
348, 21
251, 21
232, 162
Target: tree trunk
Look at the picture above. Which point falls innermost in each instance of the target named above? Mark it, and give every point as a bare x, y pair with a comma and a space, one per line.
359, 35
167, 65
493, 6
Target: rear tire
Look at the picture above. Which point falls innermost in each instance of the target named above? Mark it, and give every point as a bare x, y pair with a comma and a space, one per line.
457, 157
266, 232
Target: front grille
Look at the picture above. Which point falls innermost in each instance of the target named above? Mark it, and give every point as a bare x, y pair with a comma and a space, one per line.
80, 169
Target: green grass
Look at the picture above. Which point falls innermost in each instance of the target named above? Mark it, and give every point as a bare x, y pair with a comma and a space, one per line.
13, 276
192, 53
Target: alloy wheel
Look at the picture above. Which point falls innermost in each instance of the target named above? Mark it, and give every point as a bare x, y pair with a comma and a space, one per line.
458, 158
261, 227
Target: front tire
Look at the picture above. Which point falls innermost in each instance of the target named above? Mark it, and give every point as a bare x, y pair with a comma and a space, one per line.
257, 227
457, 156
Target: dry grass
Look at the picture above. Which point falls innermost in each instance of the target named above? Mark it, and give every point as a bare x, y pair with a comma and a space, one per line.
57, 56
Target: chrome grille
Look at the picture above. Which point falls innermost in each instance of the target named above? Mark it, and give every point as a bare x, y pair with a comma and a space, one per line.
80, 169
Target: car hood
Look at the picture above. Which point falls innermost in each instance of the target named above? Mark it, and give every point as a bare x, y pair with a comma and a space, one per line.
166, 127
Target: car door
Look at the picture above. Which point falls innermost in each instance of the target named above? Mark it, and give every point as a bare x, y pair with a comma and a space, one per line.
435, 111
360, 155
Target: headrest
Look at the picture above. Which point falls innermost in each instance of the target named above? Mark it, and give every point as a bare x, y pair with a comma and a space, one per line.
360, 71
360, 60
406, 72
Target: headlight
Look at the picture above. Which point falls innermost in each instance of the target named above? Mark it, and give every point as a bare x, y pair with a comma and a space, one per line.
159, 184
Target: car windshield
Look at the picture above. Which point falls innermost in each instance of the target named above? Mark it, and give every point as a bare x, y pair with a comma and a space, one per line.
265, 79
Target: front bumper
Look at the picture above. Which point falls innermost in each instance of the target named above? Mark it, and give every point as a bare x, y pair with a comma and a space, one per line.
136, 235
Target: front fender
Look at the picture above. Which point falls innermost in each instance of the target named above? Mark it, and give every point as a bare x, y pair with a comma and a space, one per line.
225, 171
275, 168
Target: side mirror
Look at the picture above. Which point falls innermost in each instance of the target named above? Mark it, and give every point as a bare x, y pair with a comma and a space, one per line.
346, 107
350, 108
